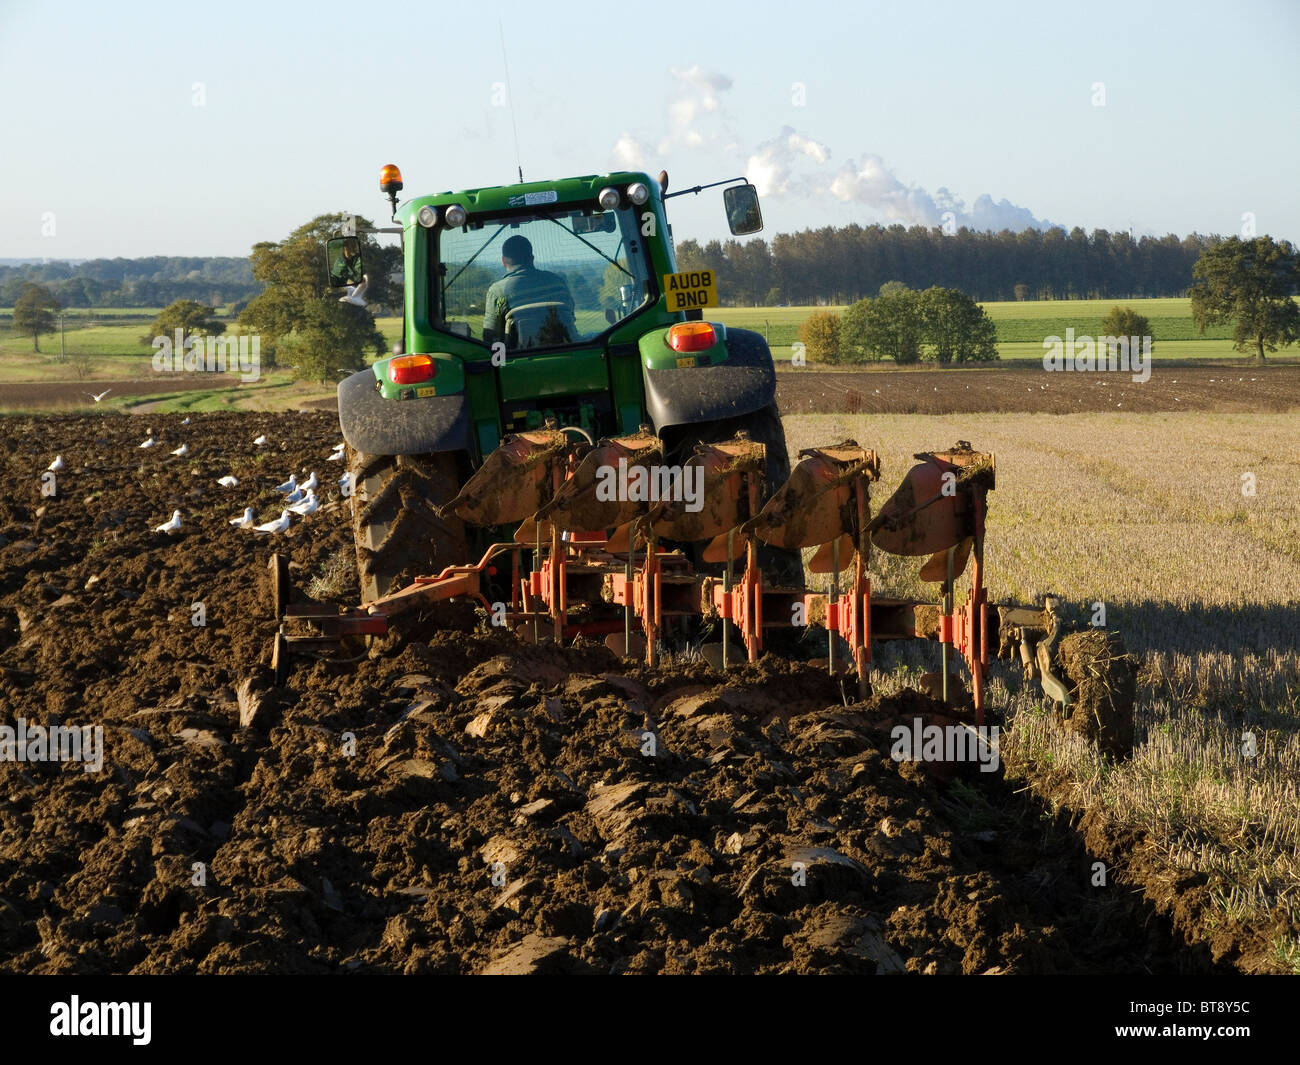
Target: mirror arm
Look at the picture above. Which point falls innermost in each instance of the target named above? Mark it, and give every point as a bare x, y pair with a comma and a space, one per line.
700, 188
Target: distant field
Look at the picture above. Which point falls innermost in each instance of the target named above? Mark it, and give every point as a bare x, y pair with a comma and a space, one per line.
113, 343
149, 313
1023, 327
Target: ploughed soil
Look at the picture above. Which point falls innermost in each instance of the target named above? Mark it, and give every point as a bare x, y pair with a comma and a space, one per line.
1027, 387
35, 394
464, 802
1024, 388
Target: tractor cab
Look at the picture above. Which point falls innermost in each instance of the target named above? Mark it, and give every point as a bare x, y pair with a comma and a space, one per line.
546, 302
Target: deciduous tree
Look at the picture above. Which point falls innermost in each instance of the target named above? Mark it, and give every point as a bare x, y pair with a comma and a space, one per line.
34, 313
1250, 283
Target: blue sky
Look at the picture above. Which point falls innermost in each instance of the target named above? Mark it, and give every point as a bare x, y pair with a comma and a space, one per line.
1160, 117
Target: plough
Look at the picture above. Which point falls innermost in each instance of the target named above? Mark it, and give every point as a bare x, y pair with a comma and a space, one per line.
608, 543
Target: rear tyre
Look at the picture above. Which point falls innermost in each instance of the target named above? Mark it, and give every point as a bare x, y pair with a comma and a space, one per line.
398, 531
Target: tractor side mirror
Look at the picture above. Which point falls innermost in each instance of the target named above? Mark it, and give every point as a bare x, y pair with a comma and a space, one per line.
343, 260
743, 214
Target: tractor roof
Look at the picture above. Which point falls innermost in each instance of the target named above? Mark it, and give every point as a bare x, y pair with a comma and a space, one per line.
528, 194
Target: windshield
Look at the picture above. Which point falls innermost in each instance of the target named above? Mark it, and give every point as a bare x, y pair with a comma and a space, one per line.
540, 280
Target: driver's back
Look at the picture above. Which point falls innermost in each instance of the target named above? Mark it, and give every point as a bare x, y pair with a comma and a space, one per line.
535, 307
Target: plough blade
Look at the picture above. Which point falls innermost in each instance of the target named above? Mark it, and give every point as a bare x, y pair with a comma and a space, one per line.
824, 561
817, 503
930, 511
723, 501
599, 494
514, 482
530, 530
936, 566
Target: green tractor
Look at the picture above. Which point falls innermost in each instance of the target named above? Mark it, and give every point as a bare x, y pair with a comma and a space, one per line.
545, 304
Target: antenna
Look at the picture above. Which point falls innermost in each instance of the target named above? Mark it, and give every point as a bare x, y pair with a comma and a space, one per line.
510, 98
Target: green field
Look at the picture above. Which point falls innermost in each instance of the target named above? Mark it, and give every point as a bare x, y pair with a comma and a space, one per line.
1022, 327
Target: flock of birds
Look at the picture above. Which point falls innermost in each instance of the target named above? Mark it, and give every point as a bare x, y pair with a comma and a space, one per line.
299, 499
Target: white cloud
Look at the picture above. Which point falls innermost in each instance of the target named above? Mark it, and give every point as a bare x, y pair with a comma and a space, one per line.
629, 153
870, 182
772, 166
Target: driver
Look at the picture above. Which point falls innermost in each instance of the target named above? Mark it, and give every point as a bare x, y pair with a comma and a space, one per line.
523, 285
346, 267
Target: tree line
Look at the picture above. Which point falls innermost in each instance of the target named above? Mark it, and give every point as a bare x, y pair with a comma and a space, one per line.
153, 281
841, 265
830, 265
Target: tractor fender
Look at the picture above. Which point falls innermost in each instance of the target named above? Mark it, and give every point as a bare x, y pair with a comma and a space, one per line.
378, 426
744, 383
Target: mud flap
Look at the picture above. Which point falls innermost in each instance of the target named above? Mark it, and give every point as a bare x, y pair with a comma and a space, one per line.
378, 426
745, 383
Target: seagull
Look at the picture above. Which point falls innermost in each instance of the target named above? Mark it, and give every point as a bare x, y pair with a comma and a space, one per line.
151, 442
278, 526
310, 483
356, 294
182, 451
185, 422
57, 464
289, 485
307, 506
260, 441
228, 481
171, 527
337, 454
244, 520
97, 398
296, 496
346, 480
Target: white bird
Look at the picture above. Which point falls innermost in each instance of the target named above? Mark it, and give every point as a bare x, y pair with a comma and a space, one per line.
182, 451
260, 441
356, 294
307, 506
310, 483
288, 485
244, 520
345, 481
278, 526
57, 464
151, 442
172, 526
228, 481
296, 496
335, 456
97, 398
185, 422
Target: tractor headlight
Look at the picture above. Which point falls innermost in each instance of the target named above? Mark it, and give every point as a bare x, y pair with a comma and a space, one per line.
427, 216
455, 216
638, 193
608, 198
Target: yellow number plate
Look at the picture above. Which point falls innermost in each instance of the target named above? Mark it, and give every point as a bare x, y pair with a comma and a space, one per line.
431, 390
695, 288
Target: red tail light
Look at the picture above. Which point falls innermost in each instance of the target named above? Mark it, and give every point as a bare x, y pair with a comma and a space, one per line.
692, 336
411, 369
